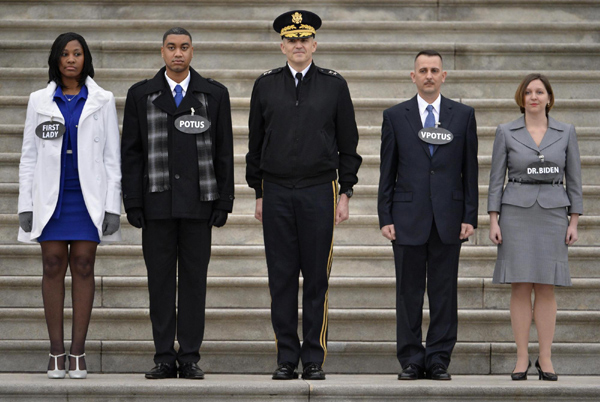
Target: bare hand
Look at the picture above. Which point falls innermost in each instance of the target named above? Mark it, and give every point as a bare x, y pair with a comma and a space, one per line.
389, 232
258, 209
466, 230
572, 236
342, 211
495, 234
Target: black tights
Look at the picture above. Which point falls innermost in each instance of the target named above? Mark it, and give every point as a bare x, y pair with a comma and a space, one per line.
56, 257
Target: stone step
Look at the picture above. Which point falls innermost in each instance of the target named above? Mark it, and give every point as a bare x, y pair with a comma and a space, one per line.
249, 261
473, 84
341, 56
11, 139
258, 357
358, 230
332, 31
488, 112
244, 388
365, 325
253, 292
332, 10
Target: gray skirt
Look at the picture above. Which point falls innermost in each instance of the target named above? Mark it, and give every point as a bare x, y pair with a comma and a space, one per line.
533, 248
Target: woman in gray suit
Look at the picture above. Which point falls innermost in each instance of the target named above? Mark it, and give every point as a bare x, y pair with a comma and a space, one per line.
529, 220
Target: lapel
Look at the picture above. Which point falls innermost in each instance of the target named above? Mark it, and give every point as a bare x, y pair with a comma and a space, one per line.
445, 114
414, 120
95, 100
521, 135
198, 84
552, 135
46, 106
165, 100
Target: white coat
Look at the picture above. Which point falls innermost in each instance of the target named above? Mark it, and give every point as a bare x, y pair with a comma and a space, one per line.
98, 160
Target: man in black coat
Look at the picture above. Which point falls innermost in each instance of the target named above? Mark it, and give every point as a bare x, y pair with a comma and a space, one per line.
177, 163
427, 207
302, 136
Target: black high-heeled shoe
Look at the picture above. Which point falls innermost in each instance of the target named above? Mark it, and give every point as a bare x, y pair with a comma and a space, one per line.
521, 375
543, 375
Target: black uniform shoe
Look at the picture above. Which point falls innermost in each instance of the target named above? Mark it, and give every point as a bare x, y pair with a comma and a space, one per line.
438, 372
412, 372
285, 371
191, 370
162, 370
313, 371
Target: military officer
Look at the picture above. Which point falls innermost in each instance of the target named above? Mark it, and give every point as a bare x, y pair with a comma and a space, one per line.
303, 137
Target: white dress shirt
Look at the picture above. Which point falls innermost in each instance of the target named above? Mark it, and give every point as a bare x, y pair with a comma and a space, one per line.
184, 84
294, 72
423, 108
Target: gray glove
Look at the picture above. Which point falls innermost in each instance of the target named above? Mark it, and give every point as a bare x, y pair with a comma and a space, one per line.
25, 221
110, 224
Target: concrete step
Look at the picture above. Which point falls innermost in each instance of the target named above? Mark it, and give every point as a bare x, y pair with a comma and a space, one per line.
365, 325
253, 292
243, 388
342, 357
344, 10
472, 84
249, 261
332, 31
340, 56
488, 112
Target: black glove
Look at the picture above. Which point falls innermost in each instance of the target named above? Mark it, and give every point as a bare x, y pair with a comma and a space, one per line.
217, 218
135, 216
26, 219
110, 224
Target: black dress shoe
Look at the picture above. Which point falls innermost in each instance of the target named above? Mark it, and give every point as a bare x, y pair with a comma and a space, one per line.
438, 372
285, 371
520, 376
162, 370
313, 371
412, 372
191, 371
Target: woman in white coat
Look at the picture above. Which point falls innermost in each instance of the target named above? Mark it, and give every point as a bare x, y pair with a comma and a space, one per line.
69, 190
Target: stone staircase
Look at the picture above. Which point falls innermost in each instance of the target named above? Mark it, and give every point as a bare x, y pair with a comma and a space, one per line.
488, 46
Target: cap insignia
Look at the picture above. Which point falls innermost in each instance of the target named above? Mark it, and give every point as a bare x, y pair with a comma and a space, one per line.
296, 18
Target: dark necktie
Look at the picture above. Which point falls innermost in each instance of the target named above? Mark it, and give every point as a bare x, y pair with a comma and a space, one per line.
430, 122
178, 94
299, 77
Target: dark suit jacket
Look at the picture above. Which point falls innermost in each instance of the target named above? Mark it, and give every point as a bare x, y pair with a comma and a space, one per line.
182, 201
416, 188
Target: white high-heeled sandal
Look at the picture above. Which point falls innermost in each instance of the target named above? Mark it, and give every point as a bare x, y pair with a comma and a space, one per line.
56, 373
77, 374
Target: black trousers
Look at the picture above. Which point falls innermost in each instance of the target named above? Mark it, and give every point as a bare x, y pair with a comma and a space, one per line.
169, 246
298, 232
436, 265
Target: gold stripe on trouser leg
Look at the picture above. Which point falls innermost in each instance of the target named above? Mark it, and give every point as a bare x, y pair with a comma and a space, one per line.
323, 338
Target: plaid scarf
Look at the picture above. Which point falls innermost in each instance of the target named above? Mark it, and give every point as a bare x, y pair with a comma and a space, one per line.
158, 152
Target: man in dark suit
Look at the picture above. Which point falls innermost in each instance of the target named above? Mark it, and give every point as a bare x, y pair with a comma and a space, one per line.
177, 184
427, 207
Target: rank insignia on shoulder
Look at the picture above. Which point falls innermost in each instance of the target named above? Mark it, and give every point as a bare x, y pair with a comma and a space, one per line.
333, 73
268, 72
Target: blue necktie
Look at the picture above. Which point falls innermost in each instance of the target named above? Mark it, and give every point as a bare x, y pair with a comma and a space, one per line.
430, 122
178, 94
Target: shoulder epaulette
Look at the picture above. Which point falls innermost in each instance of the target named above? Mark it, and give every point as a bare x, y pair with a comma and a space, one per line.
271, 72
217, 83
330, 73
137, 84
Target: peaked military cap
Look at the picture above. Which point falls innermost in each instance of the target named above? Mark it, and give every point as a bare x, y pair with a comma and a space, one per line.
297, 24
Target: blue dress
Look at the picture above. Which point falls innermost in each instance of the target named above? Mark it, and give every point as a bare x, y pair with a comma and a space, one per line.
71, 220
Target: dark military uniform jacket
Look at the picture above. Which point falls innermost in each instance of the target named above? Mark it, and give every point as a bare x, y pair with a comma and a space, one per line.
183, 199
300, 142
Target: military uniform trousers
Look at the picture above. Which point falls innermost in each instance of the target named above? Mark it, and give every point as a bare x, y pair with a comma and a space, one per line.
177, 248
434, 264
298, 233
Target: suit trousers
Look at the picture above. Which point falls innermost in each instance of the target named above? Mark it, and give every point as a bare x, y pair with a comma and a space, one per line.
298, 232
434, 266
177, 248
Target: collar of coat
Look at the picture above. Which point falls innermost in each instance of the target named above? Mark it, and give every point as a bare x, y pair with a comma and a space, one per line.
97, 97
519, 132
165, 100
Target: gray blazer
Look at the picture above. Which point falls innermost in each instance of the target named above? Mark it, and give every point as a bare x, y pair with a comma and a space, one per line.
514, 149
